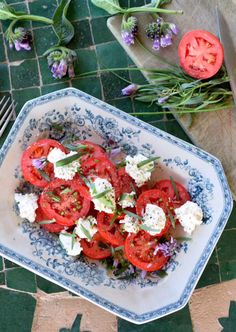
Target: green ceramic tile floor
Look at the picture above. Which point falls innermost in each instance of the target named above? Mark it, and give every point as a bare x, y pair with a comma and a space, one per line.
25, 75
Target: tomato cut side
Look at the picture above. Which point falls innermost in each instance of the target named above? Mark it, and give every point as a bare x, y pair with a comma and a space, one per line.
166, 186
110, 230
51, 228
65, 201
103, 168
97, 248
200, 54
92, 150
37, 150
140, 251
127, 183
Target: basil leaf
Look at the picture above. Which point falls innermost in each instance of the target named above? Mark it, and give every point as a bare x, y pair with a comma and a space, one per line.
110, 6
61, 25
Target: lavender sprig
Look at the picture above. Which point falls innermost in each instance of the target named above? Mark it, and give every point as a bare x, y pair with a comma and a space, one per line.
168, 248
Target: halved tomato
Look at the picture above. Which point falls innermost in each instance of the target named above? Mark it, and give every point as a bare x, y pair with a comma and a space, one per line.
201, 54
65, 201
140, 250
91, 150
177, 200
97, 248
51, 228
38, 150
110, 230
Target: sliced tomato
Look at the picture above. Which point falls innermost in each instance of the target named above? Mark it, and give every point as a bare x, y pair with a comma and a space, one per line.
140, 251
110, 230
127, 183
97, 248
51, 228
37, 150
65, 201
103, 168
156, 197
92, 150
201, 54
177, 200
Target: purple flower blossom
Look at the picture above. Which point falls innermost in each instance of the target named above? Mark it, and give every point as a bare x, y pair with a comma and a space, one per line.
20, 38
156, 44
128, 37
166, 40
129, 30
61, 62
143, 274
129, 90
168, 248
39, 163
162, 100
174, 28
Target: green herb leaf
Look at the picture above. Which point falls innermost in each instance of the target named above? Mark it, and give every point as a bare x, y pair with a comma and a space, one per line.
133, 215
44, 175
102, 194
172, 219
174, 187
61, 25
113, 219
122, 164
65, 191
7, 12
110, 6
147, 161
148, 229
86, 232
75, 147
68, 160
161, 273
47, 222
183, 238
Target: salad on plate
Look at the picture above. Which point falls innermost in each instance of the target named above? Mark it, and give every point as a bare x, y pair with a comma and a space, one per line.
106, 205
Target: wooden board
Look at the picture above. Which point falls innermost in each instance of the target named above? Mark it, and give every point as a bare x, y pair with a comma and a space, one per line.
214, 132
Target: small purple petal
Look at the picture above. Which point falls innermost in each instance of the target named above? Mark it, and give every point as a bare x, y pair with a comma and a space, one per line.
115, 263
156, 44
166, 41
71, 71
17, 45
143, 274
39, 163
129, 90
62, 68
174, 28
169, 248
25, 46
128, 37
162, 100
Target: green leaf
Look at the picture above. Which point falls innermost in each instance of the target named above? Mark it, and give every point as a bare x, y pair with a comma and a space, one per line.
65, 191
75, 147
102, 194
147, 161
7, 12
148, 229
68, 160
172, 219
61, 25
174, 187
133, 215
111, 6
47, 222
44, 175
86, 232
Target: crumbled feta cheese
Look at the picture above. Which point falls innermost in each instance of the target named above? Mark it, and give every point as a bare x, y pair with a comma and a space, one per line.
107, 202
130, 224
189, 215
154, 219
139, 174
27, 205
72, 249
66, 172
86, 225
127, 200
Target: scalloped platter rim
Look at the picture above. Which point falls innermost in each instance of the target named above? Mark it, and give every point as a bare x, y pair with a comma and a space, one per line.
80, 115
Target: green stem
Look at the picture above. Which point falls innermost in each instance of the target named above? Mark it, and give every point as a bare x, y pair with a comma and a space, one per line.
35, 18
152, 10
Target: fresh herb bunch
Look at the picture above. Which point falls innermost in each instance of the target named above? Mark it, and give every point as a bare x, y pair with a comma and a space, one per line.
159, 31
62, 59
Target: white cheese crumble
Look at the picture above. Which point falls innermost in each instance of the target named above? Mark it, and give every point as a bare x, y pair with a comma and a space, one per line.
130, 224
127, 200
72, 249
86, 225
27, 205
66, 172
139, 174
189, 215
154, 219
107, 202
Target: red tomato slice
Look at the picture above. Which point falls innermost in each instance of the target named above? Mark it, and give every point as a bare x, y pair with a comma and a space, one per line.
111, 233
65, 201
166, 186
201, 54
93, 150
103, 168
97, 248
139, 250
159, 198
127, 183
51, 228
38, 150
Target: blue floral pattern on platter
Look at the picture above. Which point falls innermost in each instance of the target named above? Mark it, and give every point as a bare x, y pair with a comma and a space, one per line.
201, 189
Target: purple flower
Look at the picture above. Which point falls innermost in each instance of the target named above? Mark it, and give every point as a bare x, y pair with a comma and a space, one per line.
129, 30
174, 28
162, 100
168, 248
39, 163
20, 38
129, 90
61, 62
156, 44
166, 40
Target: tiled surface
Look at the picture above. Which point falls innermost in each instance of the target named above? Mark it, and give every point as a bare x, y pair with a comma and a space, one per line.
25, 75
